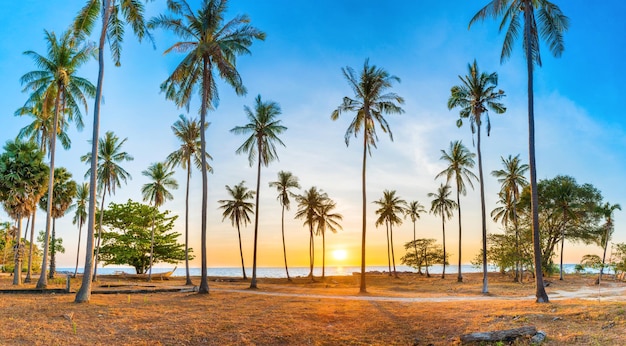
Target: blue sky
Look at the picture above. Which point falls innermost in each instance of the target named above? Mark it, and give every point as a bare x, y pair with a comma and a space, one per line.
578, 98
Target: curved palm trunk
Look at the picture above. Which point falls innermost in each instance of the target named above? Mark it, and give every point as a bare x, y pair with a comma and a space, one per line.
204, 283
151, 250
282, 227
95, 267
443, 225
393, 256
53, 243
323, 255
256, 214
311, 251
17, 271
188, 277
80, 231
243, 267
482, 210
30, 247
84, 293
388, 252
363, 289
459, 277
540, 291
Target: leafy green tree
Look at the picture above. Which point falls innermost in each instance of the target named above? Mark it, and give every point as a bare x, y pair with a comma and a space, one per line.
427, 254
55, 246
459, 160
606, 210
156, 192
475, 96
63, 194
110, 175
371, 102
114, 14
263, 128
309, 204
541, 19
22, 182
127, 241
212, 47
238, 210
389, 211
187, 131
442, 205
286, 181
326, 220
80, 216
413, 210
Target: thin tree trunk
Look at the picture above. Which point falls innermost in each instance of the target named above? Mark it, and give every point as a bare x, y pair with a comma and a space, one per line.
323, 255
562, 245
482, 209
256, 215
312, 255
419, 270
80, 230
151, 249
362, 288
393, 256
188, 277
426, 261
606, 243
443, 225
17, 270
282, 227
518, 277
311, 251
95, 267
53, 243
243, 267
84, 293
388, 252
30, 246
204, 283
459, 277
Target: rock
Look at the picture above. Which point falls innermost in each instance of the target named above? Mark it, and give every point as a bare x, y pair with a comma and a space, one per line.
499, 335
538, 338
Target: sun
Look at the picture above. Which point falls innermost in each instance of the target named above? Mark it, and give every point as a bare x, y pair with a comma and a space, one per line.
340, 254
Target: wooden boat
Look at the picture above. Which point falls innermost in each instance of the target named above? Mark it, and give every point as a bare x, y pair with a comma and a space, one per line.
155, 276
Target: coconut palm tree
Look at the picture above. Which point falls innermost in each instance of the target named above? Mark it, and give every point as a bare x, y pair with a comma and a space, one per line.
541, 19
512, 181
40, 129
157, 193
413, 210
475, 96
607, 211
80, 216
110, 175
238, 210
371, 102
63, 194
212, 47
442, 205
389, 211
326, 220
263, 129
187, 131
114, 15
285, 182
309, 204
459, 160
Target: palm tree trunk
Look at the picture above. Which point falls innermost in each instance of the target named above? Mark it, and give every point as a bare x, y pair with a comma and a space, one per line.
540, 291
206, 71
459, 277
312, 249
562, 245
282, 227
606, 243
80, 230
256, 214
188, 277
388, 252
53, 243
95, 267
518, 276
415, 248
363, 289
30, 246
84, 293
243, 267
17, 271
151, 249
482, 209
426, 260
323, 255
393, 256
443, 225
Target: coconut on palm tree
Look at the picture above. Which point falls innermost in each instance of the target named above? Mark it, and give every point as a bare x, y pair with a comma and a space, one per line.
187, 131
309, 204
413, 210
211, 47
459, 160
370, 103
263, 128
156, 192
541, 19
442, 205
286, 181
390, 207
327, 220
238, 210
80, 216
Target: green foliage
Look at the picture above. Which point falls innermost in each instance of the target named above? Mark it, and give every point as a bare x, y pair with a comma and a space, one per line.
7, 255
58, 243
428, 253
126, 240
618, 258
591, 261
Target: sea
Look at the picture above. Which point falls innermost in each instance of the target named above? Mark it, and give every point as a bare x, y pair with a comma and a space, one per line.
279, 272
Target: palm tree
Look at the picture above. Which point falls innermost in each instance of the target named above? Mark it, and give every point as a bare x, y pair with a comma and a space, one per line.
309, 204
82, 199
327, 220
188, 134
114, 15
391, 206
238, 210
413, 210
62, 195
512, 181
607, 211
110, 174
156, 192
285, 182
476, 96
459, 160
541, 19
263, 129
442, 205
567, 208
370, 104
212, 46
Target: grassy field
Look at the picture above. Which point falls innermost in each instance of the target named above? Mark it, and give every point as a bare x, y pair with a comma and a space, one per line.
410, 310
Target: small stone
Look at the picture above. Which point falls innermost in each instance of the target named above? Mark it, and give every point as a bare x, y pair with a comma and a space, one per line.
538, 338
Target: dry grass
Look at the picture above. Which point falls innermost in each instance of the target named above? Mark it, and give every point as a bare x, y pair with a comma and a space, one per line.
294, 317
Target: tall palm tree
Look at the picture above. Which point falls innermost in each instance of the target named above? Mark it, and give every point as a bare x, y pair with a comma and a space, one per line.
238, 210
442, 205
187, 131
326, 220
566, 204
63, 194
156, 192
110, 175
476, 95
542, 19
80, 217
607, 211
285, 182
263, 129
371, 102
389, 211
212, 47
40, 129
309, 204
512, 180
459, 160
414, 210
